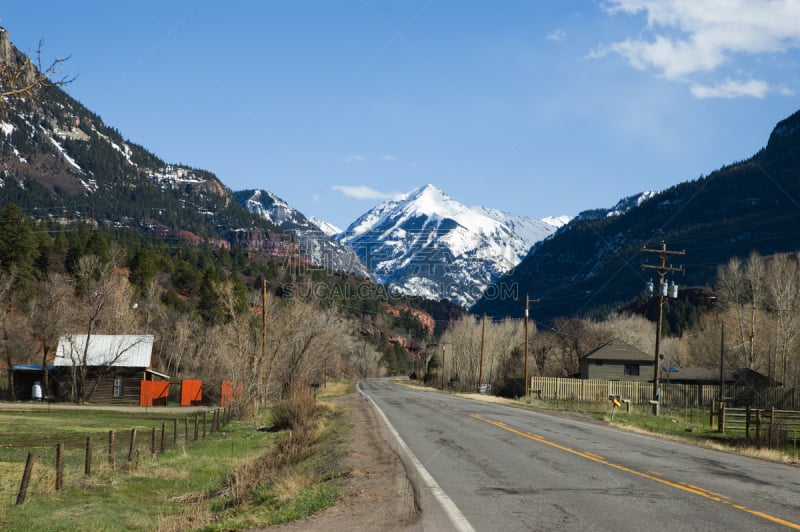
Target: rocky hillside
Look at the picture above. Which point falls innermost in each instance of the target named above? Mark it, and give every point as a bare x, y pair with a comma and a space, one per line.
60, 161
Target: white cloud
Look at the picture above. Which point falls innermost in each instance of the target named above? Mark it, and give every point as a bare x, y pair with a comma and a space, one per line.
692, 36
390, 158
557, 36
363, 192
353, 159
731, 89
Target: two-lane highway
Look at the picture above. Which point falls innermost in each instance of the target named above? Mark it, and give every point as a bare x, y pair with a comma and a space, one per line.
507, 468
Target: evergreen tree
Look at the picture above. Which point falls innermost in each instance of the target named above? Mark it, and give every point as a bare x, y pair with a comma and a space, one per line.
18, 246
143, 269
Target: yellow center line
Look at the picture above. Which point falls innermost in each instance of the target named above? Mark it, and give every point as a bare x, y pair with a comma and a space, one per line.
597, 457
649, 476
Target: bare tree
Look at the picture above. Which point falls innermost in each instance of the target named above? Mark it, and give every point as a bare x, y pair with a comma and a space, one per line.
177, 344
466, 338
743, 285
50, 318
304, 339
22, 77
105, 305
6, 283
783, 299
632, 329
576, 339
365, 359
14, 342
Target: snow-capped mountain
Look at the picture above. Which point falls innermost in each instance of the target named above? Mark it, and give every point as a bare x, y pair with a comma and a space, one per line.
427, 244
315, 241
326, 227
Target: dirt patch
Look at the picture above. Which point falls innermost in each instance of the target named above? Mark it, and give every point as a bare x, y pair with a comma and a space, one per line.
377, 494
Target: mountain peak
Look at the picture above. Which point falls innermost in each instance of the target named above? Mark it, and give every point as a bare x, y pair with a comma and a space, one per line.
427, 199
425, 243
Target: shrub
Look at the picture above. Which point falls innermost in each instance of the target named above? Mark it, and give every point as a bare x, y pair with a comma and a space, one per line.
295, 410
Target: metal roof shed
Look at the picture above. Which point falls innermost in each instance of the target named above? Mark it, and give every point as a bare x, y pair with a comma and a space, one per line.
131, 351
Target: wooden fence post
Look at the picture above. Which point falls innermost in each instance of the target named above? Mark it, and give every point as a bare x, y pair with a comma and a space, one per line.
758, 427
111, 450
175, 433
747, 423
186, 429
196, 426
26, 478
153, 441
163, 435
711, 416
133, 445
204, 423
59, 466
772, 435
87, 465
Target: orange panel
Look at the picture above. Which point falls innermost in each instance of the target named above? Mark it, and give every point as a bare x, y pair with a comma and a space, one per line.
231, 391
150, 391
191, 392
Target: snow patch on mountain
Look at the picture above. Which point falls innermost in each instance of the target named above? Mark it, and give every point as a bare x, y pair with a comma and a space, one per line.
557, 221
624, 205
326, 227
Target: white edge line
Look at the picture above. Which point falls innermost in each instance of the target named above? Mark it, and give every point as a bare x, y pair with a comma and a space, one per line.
453, 513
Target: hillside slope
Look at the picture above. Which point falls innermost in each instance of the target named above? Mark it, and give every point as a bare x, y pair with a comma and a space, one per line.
595, 264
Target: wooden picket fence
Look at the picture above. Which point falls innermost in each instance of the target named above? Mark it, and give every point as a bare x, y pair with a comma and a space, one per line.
683, 395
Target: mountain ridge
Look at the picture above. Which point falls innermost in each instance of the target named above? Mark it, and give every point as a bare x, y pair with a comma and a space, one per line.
593, 264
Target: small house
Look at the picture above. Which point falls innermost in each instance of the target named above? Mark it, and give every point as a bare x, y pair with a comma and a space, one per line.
108, 369
705, 376
617, 361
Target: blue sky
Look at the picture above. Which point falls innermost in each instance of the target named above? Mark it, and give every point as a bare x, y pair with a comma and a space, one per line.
535, 107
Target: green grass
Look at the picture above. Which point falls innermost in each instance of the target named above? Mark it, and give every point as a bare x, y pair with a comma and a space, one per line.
690, 425
181, 489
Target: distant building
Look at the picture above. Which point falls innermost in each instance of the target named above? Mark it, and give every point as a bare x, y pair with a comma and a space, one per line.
617, 361
730, 377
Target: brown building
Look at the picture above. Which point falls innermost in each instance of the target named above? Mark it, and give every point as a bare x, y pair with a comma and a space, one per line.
617, 361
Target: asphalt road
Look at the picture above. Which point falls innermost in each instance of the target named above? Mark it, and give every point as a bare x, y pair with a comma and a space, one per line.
506, 468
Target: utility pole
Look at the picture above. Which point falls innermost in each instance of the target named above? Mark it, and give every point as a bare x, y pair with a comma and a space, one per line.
483, 338
443, 346
722, 363
263, 333
528, 301
663, 291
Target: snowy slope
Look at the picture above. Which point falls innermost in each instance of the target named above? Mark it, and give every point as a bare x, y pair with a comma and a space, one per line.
427, 244
326, 227
315, 243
